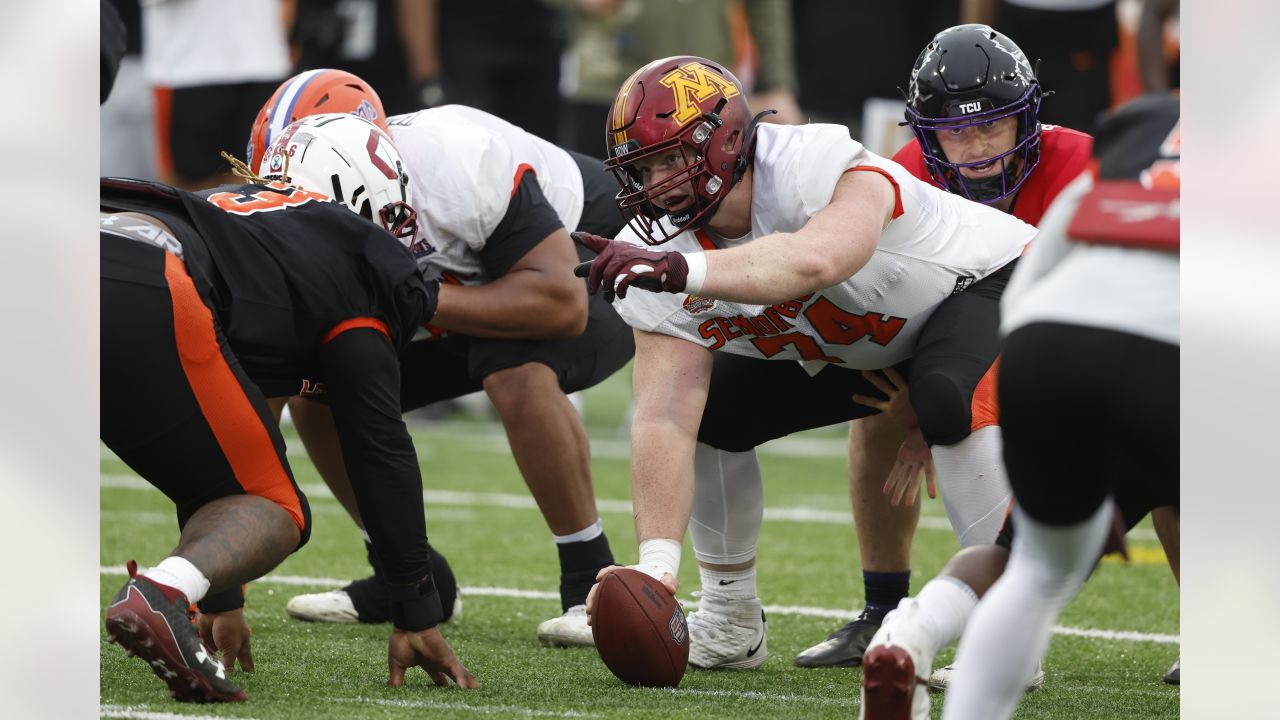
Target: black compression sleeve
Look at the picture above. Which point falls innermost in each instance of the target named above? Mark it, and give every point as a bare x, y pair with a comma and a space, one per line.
529, 220
362, 379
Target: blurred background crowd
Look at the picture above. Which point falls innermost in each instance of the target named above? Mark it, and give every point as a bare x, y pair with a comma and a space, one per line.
197, 71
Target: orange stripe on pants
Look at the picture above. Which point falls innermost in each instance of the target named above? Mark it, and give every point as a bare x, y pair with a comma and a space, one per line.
985, 407
239, 430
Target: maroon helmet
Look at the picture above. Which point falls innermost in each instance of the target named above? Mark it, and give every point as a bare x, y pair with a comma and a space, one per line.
681, 102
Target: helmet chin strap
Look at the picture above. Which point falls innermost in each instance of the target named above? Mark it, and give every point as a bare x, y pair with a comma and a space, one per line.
740, 165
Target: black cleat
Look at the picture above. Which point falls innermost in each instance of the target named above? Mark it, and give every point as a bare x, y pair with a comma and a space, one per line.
842, 648
151, 621
1174, 676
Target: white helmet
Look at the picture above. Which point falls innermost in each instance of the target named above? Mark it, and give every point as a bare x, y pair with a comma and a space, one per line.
352, 161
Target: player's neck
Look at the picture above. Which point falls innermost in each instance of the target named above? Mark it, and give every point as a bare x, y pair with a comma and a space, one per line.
733, 218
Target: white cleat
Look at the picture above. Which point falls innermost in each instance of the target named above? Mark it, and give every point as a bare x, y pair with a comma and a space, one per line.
897, 660
567, 630
941, 678
730, 634
330, 607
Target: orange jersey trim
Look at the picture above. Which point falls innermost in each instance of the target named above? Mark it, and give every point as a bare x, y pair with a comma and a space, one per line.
354, 323
163, 98
235, 423
520, 171
704, 240
985, 406
897, 192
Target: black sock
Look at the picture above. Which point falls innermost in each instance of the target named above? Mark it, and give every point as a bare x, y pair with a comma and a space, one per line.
579, 563
884, 591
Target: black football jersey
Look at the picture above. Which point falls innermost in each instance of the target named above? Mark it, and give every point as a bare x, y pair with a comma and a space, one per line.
312, 299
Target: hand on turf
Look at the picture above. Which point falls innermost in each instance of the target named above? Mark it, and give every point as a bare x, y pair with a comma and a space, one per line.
668, 581
914, 458
898, 406
619, 265
228, 633
428, 650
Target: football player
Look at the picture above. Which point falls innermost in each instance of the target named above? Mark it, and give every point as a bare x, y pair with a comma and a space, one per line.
493, 206
212, 303
977, 134
1094, 309
790, 244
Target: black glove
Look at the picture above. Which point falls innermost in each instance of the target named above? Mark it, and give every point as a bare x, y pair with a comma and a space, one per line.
619, 265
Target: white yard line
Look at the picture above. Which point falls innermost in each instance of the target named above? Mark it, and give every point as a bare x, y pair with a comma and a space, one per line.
130, 712
798, 610
507, 710
462, 498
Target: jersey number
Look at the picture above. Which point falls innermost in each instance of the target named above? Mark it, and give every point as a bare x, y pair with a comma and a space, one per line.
836, 327
275, 196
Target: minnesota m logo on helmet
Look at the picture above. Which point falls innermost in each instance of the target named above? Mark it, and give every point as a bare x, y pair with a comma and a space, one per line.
692, 84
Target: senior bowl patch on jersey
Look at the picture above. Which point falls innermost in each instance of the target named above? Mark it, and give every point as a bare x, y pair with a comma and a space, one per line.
694, 304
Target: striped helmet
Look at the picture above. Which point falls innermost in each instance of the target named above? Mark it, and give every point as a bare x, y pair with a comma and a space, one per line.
311, 93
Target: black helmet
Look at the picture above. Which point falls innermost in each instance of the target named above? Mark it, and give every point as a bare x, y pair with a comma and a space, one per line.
970, 75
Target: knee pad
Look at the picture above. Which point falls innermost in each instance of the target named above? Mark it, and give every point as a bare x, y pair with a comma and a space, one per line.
943, 406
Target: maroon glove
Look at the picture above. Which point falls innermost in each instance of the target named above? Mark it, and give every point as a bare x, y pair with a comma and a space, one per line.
619, 265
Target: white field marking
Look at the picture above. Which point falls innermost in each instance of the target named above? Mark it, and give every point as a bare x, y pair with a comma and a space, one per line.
481, 709
754, 695
139, 712
464, 498
688, 603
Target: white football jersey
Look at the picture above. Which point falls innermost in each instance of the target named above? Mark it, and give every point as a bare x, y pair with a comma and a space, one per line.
938, 244
463, 167
1128, 289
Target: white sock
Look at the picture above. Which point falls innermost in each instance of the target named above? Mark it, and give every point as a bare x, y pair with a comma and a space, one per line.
178, 572
1009, 632
590, 532
945, 604
974, 485
735, 585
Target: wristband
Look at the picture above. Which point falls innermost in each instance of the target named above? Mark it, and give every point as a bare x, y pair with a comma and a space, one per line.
697, 262
415, 607
225, 601
659, 556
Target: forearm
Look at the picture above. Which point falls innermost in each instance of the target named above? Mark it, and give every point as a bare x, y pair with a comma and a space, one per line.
773, 269
522, 305
418, 33
661, 479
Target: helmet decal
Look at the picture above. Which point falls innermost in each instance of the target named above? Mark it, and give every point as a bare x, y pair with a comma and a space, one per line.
692, 83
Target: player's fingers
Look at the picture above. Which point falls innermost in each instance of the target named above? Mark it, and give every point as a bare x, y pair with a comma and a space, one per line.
463, 677
913, 488
670, 583
246, 657
592, 242
624, 282
606, 570
883, 385
395, 677
931, 480
896, 378
877, 403
583, 270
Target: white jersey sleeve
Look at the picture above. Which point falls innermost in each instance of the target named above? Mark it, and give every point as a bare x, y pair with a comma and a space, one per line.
464, 165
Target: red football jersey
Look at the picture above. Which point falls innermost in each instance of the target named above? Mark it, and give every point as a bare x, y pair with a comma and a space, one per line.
1064, 154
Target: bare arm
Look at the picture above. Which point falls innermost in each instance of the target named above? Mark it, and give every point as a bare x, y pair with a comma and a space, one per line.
978, 11
418, 33
829, 249
538, 298
671, 381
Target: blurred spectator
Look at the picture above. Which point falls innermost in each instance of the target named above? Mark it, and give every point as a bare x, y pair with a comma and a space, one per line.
503, 57
212, 64
1072, 40
390, 43
125, 127
612, 38
1156, 63
851, 52
111, 47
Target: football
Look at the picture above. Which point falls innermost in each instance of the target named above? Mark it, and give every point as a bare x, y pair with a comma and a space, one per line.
640, 630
